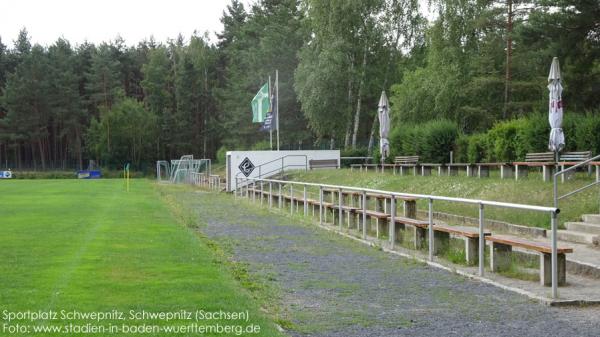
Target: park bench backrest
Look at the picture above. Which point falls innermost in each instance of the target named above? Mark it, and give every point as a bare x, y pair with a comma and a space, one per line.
406, 159
323, 163
576, 156
540, 157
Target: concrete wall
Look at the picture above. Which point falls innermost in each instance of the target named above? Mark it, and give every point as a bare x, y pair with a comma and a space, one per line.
272, 162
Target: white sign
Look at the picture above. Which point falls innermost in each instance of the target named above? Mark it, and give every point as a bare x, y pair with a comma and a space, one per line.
5, 174
264, 164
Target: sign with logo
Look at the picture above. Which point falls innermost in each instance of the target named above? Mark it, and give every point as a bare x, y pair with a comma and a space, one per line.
246, 167
5, 174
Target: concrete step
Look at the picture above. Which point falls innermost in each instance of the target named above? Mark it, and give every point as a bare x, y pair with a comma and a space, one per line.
591, 218
583, 227
578, 237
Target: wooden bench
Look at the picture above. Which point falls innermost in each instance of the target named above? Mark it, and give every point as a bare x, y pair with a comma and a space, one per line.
452, 169
323, 163
546, 160
501, 248
441, 238
426, 168
483, 170
405, 163
572, 159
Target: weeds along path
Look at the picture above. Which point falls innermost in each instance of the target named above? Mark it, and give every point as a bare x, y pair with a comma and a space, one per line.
327, 285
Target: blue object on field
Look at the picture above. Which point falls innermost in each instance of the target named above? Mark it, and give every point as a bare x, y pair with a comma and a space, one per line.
88, 174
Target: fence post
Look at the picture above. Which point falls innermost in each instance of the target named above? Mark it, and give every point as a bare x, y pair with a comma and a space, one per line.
341, 211
236, 188
554, 222
253, 190
364, 214
261, 192
320, 205
305, 204
430, 212
481, 241
279, 195
291, 199
392, 226
270, 194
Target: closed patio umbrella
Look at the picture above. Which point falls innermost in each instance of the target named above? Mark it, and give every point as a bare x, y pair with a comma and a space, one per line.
384, 126
557, 137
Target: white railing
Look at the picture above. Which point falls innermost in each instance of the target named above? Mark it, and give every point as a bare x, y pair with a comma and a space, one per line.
210, 181
244, 184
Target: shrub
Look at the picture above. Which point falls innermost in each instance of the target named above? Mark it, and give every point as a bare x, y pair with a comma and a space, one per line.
476, 148
221, 154
438, 138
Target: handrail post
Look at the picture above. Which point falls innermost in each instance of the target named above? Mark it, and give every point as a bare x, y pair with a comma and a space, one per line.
261, 192
481, 241
320, 205
292, 199
305, 202
279, 196
430, 213
364, 215
392, 225
340, 210
554, 256
270, 194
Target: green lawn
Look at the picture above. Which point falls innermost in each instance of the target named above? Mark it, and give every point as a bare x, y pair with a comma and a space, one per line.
531, 191
87, 245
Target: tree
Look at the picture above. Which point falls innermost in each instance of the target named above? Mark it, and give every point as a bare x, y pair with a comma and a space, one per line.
133, 134
26, 99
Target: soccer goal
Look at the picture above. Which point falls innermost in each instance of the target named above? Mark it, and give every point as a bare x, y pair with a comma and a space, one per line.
183, 170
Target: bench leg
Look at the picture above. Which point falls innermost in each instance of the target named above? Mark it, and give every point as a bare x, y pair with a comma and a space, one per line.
419, 235
506, 172
399, 230
484, 172
546, 269
472, 250
410, 209
521, 171
425, 171
441, 241
499, 256
547, 172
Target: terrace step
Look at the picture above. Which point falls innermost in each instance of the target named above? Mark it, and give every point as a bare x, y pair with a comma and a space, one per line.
578, 237
583, 227
591, 218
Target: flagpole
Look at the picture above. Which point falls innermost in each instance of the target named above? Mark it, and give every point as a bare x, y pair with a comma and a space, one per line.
277, 104
271, 129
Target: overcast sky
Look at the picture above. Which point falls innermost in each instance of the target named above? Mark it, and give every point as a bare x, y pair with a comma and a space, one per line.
104, 20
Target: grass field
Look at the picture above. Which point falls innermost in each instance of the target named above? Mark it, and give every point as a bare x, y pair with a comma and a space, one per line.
531, 191
88, 246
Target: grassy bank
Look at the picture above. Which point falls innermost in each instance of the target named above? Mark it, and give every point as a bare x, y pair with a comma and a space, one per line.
531, 191
89, 246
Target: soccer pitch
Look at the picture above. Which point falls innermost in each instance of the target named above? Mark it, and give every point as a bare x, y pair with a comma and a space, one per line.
71, 250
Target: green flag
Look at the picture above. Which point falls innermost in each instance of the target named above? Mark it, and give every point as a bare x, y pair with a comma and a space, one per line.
260, 104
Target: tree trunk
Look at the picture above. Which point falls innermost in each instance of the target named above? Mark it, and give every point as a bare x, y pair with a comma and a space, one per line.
358, 102
347, 136
372, 136
42, 153
78, 146
509, 26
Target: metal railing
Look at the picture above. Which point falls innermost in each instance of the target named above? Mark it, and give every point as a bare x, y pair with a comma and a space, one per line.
573, 168
210, 181
281, 168
245, 183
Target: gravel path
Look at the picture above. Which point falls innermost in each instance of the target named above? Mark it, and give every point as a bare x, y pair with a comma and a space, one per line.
333, 286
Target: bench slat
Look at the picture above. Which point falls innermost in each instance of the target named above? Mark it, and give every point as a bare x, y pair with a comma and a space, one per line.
532, 245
